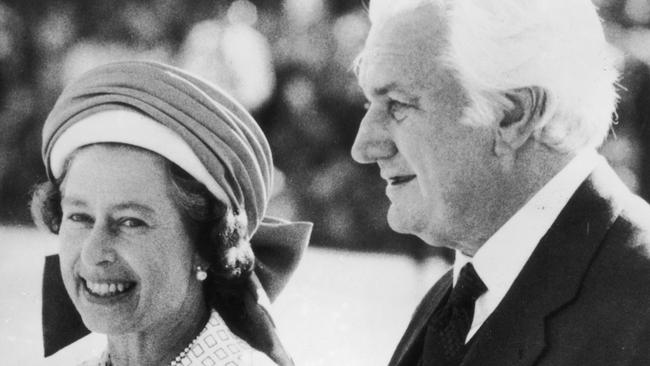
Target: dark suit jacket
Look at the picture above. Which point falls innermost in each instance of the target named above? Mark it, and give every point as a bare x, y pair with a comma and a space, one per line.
582, 298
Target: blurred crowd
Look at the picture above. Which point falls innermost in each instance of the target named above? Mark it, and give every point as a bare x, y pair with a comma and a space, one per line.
290, 63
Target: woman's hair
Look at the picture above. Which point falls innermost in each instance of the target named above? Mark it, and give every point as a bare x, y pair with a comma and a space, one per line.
218, 233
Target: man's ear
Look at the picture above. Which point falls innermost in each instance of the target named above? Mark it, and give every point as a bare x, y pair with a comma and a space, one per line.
520, 121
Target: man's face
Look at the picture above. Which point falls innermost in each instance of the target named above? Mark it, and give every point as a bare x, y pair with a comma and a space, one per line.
437, 169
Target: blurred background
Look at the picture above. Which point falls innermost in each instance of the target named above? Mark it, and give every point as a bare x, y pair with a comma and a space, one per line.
289, 62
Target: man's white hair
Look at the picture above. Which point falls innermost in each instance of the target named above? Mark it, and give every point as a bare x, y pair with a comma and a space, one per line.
558, 45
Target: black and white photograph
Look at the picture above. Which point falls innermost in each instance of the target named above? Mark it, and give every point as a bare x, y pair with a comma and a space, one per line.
325, 182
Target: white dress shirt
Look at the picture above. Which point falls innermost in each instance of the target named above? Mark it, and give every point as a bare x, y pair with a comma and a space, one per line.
499, 261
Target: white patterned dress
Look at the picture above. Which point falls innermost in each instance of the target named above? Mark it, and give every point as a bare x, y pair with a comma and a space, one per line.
216, 345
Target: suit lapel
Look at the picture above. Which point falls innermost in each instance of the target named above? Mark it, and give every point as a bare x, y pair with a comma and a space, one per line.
514, 334
409, 349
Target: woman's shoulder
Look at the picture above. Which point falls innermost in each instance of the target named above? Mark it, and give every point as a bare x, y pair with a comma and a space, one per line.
215, 345
102, 360
218, 345
260, 359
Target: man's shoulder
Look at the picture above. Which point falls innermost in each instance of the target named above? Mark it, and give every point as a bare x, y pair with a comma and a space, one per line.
610, 314
626, 241
629, 236
634, 222
623, 261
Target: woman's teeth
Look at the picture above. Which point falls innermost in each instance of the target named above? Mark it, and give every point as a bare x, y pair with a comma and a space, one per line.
106, 289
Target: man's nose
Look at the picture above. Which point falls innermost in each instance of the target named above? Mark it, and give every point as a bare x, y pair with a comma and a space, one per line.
98, 248
374, 141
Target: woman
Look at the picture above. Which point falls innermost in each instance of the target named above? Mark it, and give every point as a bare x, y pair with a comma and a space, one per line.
157, 187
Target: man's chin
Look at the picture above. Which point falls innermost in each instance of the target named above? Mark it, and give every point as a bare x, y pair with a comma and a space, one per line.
418, 226
404, 223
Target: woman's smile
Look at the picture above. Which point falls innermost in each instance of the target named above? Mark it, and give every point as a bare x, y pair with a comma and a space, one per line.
108, 288
106, 292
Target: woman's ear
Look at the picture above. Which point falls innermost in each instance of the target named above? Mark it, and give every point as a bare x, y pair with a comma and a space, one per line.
521, 120
198, 261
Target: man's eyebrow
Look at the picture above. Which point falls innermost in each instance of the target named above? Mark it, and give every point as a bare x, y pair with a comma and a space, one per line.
395, 87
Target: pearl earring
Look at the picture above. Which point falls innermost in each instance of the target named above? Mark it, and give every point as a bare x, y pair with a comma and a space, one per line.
201, 274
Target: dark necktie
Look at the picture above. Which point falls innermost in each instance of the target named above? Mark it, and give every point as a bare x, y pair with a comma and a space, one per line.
444, 342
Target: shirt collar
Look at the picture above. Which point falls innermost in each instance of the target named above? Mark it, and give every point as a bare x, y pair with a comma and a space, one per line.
499, 261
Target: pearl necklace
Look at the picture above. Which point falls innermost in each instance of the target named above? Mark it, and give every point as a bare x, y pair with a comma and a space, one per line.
181, 356
185, 355
178, 359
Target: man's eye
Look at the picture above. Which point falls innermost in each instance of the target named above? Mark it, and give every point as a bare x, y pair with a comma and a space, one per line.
398, 110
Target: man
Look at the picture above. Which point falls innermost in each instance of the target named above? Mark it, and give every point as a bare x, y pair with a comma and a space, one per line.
483, 118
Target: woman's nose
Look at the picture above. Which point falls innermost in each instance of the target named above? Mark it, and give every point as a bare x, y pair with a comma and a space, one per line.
374, 141
98, 247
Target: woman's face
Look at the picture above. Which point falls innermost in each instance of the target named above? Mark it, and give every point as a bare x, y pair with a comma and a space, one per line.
127, 260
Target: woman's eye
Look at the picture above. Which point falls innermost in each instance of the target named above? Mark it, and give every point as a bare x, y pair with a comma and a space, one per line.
133, 223
398, 110
80, 218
